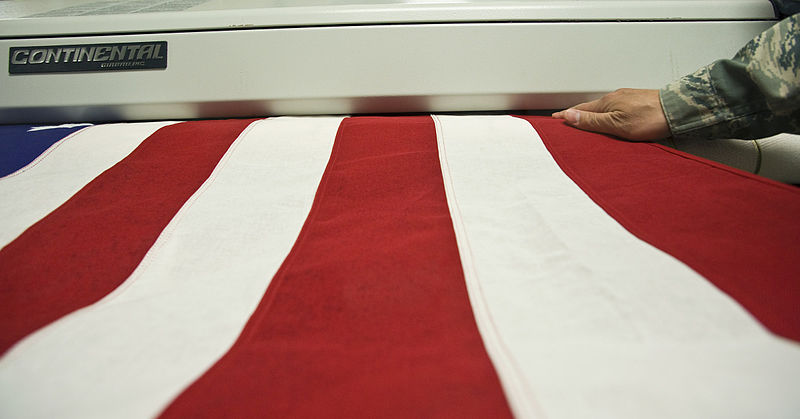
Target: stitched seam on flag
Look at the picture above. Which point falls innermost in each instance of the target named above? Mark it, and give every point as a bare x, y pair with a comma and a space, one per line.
275, 285
630, 226
584, 186
46, 153
169, 230
265, 301
146, 262
738, 292
523, 402
725, 168
735, 292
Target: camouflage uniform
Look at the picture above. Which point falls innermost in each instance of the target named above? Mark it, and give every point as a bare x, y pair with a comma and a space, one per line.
756, 94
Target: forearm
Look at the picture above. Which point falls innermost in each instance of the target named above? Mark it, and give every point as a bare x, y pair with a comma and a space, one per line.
755, 94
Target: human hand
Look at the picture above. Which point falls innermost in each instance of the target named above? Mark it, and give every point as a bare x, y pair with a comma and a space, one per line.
633, 114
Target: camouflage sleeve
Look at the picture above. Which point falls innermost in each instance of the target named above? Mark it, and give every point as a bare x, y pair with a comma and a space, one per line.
753, 95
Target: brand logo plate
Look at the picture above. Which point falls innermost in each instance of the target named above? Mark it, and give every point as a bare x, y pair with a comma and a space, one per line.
88, 57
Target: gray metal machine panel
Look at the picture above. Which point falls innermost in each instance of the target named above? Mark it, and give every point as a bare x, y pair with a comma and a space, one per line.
319, 57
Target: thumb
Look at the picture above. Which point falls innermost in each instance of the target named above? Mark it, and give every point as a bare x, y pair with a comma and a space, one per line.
590, 121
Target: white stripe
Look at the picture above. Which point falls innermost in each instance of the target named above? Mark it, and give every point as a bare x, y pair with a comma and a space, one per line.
49, 127
520, 397
130, 354
51, 179
582, 319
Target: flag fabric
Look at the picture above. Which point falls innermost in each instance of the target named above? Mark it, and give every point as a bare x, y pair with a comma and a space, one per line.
23, 143
406, 266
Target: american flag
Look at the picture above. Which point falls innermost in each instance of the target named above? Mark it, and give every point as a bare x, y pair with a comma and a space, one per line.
404, 266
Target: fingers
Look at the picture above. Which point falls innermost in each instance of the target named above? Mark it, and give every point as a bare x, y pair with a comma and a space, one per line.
562, 114
587, 120
633, 114
593, 106
592, 121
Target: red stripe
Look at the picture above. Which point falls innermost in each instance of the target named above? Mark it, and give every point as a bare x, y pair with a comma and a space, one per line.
89, 245
738, 230
369, 314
